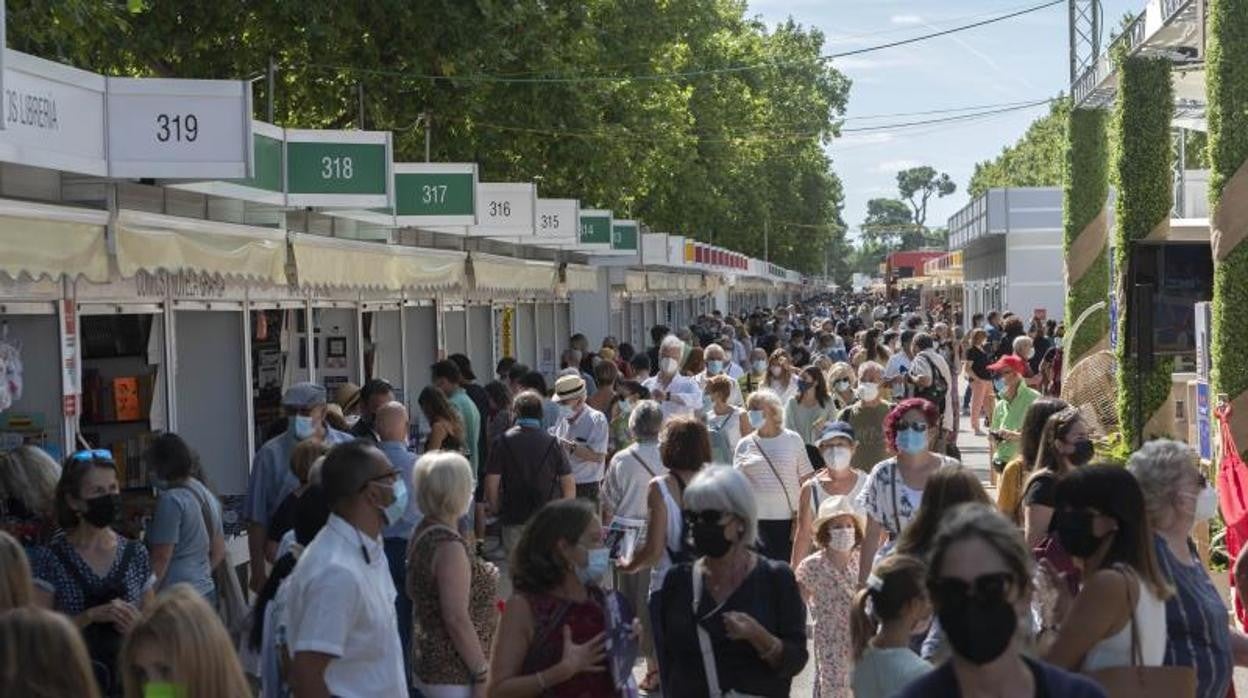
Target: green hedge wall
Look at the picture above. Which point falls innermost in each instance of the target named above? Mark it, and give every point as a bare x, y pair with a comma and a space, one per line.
1086, 191
1145, 197
1226, 62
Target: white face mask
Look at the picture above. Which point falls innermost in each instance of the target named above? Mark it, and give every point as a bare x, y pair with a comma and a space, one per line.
868, 391
837, 457
668, 365
842, 539
776, 371
1206, 504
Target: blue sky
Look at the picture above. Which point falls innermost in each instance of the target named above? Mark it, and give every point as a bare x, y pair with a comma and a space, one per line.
1017, 60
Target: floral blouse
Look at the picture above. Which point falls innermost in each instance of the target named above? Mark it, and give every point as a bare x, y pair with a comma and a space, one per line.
888, 500
831, 590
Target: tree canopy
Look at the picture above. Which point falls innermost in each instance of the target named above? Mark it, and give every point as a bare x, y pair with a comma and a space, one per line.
1035, 160
692, 116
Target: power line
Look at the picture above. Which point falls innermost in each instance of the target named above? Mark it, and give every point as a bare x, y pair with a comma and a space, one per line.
646, 77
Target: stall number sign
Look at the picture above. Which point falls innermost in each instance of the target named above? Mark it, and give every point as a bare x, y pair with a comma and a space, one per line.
624, 236
179, 128
557, 218
436, 194
507, 207
595, 229
267, 167
336, 168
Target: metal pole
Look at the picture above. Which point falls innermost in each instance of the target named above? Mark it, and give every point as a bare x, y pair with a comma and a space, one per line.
270, 88
359, 86
766, 240
428, 120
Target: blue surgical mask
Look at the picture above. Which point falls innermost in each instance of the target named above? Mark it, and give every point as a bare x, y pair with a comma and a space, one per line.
998, 384
566, 412
911, 442
757, 418
529, 422
714, 367
759, 366
395, 510
803, 386
304, 427
595, 566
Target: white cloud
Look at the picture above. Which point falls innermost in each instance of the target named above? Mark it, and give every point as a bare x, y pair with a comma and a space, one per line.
906, 19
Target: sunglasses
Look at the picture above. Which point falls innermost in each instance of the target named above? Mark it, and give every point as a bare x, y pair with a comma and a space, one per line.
92, 454
920, 427
953, 591
706, 517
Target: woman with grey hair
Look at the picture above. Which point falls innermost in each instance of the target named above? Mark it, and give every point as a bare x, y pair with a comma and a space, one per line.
775, 461
625, 509
28, 478
746, 609
1177, 497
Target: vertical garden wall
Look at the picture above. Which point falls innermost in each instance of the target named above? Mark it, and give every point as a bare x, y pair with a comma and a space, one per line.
1084, 217
1226, 66
1142, 164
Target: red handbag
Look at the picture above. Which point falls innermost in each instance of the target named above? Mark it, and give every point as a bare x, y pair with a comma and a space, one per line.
1233, 499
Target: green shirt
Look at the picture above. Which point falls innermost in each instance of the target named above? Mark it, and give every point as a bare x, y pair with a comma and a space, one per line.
472, 424
802, 419
1008, 414
868, 424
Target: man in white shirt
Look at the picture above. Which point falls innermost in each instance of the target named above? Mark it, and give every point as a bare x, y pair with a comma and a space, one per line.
583, 432
927, 364
716, 364
341, 623
899, 365
679, 395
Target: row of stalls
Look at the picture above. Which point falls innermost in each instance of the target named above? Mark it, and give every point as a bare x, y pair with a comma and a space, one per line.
197, 326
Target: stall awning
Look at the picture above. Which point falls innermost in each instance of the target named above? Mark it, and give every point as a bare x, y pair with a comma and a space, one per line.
663, 281
635, 281
505, 274
323, 261
581, 278
693, 282
38, 240
153, 242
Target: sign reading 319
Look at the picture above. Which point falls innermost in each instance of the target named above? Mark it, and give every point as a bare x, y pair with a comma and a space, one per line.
179, 129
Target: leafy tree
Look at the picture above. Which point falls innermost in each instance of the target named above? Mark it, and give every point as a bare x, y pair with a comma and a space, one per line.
887, 222
1035, 160
918, 185
718, 148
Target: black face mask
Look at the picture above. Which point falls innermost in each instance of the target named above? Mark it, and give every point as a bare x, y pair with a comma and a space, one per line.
1074, 530
979, 629
709, 540
1082, 455
103, 510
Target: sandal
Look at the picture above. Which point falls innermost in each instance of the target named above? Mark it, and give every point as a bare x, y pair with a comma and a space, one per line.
650, 683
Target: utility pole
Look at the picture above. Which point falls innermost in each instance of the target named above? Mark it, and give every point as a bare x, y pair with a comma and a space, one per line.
427, 119
766, 239
271, 86
359, 88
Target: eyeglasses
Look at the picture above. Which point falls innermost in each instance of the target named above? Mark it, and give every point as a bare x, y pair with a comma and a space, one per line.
920, 427
384, 476
92, 454
706, 517
953, 591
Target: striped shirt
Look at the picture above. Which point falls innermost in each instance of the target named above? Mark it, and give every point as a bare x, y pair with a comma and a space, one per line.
776, 491
1197, 625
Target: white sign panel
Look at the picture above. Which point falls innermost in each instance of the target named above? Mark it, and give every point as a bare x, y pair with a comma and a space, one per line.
654, 248
676, 250
53, 116
505, 210
558, 219
179, 128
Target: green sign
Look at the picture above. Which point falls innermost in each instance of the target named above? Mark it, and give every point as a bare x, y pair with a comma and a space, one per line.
338, 168
268, 164
624, 235
435, 193
595, 227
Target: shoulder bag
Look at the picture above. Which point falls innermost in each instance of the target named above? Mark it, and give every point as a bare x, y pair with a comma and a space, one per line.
1139, 681
704, 643
783, 488
231, 603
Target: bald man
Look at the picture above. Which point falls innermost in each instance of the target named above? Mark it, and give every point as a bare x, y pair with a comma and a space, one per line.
390, 422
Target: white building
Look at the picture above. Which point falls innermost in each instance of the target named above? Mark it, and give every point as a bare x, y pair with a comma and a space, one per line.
1011, 243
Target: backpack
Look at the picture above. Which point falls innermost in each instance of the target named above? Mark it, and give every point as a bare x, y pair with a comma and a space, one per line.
721, 450
938, 390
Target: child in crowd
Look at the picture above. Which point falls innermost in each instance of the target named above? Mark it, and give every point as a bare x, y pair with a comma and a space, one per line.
828, 578
887, 613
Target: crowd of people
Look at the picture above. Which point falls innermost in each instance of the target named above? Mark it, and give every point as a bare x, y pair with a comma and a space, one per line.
746, 496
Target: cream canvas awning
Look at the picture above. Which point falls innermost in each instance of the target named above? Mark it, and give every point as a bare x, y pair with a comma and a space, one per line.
635, 281
581, 278
40, 240
324, 261
663, 281
493, 273
153, 242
